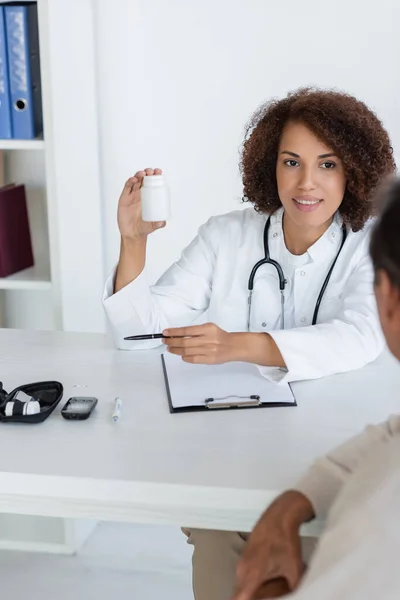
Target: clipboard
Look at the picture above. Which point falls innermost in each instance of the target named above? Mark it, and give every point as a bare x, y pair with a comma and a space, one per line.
234, 385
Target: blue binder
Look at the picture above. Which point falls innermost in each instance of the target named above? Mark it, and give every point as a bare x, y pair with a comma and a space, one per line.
5, 102
24, 70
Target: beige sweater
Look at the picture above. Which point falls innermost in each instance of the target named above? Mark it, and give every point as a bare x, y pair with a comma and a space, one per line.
358, 484
326, 477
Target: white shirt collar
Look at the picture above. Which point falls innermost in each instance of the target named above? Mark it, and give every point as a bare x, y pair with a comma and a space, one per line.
318, 251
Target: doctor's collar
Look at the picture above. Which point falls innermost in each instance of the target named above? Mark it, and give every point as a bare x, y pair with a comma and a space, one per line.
318, 251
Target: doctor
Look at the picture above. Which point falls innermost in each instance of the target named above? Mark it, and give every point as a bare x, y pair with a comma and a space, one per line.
309, 165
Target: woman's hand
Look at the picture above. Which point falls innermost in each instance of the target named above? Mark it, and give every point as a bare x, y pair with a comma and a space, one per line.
211, 345
273, 551
203, 344
130, 223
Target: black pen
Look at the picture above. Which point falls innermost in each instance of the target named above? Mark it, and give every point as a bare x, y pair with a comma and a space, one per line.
153, 336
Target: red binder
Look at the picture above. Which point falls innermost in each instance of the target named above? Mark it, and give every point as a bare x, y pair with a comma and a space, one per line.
15, 238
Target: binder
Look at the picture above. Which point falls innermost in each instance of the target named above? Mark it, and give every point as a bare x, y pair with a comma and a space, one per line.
237, 385
5, 101
24, 70
15, 239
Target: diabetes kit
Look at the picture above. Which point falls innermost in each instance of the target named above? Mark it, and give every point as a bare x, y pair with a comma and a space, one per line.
30, 403
34, 402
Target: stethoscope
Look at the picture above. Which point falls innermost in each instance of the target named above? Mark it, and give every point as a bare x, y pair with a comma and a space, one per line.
267, 260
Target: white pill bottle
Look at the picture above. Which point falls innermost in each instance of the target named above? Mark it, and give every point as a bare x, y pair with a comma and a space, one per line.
156, 204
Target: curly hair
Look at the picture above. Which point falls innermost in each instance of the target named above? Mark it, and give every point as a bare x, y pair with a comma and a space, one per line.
339, 120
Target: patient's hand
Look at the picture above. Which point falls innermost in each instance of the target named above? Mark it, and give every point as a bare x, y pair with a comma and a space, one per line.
273, 589
273, 551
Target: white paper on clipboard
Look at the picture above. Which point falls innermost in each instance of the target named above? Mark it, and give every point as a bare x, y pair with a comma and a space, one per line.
191, 385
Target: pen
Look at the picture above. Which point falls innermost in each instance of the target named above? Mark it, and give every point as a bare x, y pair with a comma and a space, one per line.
117, 409
153, 336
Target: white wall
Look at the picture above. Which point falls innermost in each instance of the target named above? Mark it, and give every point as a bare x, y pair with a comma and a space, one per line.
178, 79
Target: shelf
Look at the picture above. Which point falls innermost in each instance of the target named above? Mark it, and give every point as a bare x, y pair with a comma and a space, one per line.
35, 278
22, 144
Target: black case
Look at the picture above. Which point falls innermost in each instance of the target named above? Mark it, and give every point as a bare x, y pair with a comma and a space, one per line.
49, 394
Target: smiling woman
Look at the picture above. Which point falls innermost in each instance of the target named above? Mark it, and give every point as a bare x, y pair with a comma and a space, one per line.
349, 134
287, 284
311, 187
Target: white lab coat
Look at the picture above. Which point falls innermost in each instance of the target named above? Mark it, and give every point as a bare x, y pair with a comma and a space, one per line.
210, 283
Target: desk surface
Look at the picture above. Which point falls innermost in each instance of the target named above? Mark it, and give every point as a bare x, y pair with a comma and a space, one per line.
207, 469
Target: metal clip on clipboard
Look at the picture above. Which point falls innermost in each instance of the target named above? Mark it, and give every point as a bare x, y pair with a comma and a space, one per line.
243, 401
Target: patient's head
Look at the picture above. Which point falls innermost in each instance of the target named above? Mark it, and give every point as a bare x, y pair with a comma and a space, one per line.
385, 253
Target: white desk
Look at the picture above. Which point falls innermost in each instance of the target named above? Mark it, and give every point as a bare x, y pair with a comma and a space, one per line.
212, 469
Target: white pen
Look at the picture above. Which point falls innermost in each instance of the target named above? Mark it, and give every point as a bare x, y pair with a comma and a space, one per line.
117, 409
